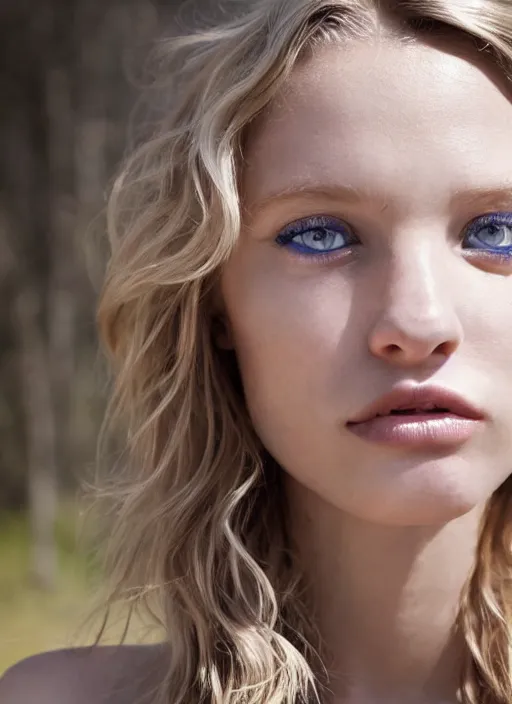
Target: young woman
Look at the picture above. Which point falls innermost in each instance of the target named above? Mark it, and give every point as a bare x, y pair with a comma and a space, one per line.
308, 310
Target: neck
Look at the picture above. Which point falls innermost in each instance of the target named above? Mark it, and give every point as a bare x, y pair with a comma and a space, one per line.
386, 598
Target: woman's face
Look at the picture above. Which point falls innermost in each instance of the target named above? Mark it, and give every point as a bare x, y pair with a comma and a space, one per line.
376, 256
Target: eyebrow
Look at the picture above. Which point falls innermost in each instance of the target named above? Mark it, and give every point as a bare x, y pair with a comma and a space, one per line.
499, 196
340, 194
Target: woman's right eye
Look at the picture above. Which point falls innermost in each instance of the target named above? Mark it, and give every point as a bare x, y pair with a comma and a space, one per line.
317, 235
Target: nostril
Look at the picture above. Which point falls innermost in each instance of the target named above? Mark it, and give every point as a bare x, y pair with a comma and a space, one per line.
413, 343
446, 348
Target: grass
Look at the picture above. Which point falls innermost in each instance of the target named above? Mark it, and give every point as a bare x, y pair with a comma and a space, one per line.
33, 620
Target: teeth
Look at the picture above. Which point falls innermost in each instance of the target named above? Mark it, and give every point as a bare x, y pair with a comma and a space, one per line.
412, 411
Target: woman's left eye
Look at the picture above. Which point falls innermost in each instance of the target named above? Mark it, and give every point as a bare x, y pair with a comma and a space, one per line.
316, 236
492, 232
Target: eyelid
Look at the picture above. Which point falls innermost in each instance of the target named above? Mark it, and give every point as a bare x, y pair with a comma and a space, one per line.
493, 217
309, 222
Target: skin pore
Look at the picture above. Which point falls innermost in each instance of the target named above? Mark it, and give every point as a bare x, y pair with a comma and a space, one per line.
399, 147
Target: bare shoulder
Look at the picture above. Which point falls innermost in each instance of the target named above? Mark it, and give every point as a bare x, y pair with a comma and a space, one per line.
127, 674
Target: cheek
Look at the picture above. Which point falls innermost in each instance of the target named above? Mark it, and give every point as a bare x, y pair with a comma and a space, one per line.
487, 358
288, 327
486, 316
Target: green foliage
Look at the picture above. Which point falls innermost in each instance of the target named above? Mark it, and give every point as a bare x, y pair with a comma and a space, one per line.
33, 620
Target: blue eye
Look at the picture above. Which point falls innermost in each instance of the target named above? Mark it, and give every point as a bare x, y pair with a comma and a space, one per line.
492, 232
316, 236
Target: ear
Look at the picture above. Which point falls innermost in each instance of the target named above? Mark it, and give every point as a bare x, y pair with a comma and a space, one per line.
222, 332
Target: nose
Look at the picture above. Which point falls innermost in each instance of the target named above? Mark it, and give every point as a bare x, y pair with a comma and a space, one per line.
417, 320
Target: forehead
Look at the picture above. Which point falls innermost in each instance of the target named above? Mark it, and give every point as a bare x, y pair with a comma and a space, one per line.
387, 113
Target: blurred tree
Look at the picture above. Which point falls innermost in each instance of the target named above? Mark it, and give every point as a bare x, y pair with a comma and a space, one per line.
65, 107
65, 103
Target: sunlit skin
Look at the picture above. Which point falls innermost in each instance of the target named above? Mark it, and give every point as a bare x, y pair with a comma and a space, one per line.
403, 147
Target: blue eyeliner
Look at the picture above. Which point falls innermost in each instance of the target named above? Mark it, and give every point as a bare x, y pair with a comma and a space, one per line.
318, 235
321, 235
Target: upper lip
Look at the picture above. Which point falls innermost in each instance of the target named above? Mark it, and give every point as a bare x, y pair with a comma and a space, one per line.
419, 398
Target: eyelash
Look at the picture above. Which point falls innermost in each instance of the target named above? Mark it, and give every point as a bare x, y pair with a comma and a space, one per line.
318, 222
286, 238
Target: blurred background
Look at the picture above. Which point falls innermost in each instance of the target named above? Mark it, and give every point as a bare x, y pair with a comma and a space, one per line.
68, 86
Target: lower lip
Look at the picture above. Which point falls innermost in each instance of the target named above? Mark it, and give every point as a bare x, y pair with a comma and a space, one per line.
417, 429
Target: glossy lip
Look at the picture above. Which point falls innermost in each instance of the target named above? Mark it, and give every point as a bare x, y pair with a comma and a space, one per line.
426, 398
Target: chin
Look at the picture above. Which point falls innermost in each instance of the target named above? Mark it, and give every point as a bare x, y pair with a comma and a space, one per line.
423, 513
432, 505
430, 492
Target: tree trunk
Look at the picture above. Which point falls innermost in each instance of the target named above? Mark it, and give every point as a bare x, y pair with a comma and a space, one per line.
61, 303
40, 436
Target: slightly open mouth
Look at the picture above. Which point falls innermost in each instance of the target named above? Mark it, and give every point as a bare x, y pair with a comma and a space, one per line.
418, 403
415, 411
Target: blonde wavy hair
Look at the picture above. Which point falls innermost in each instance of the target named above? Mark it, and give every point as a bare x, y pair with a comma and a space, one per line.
200, 532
